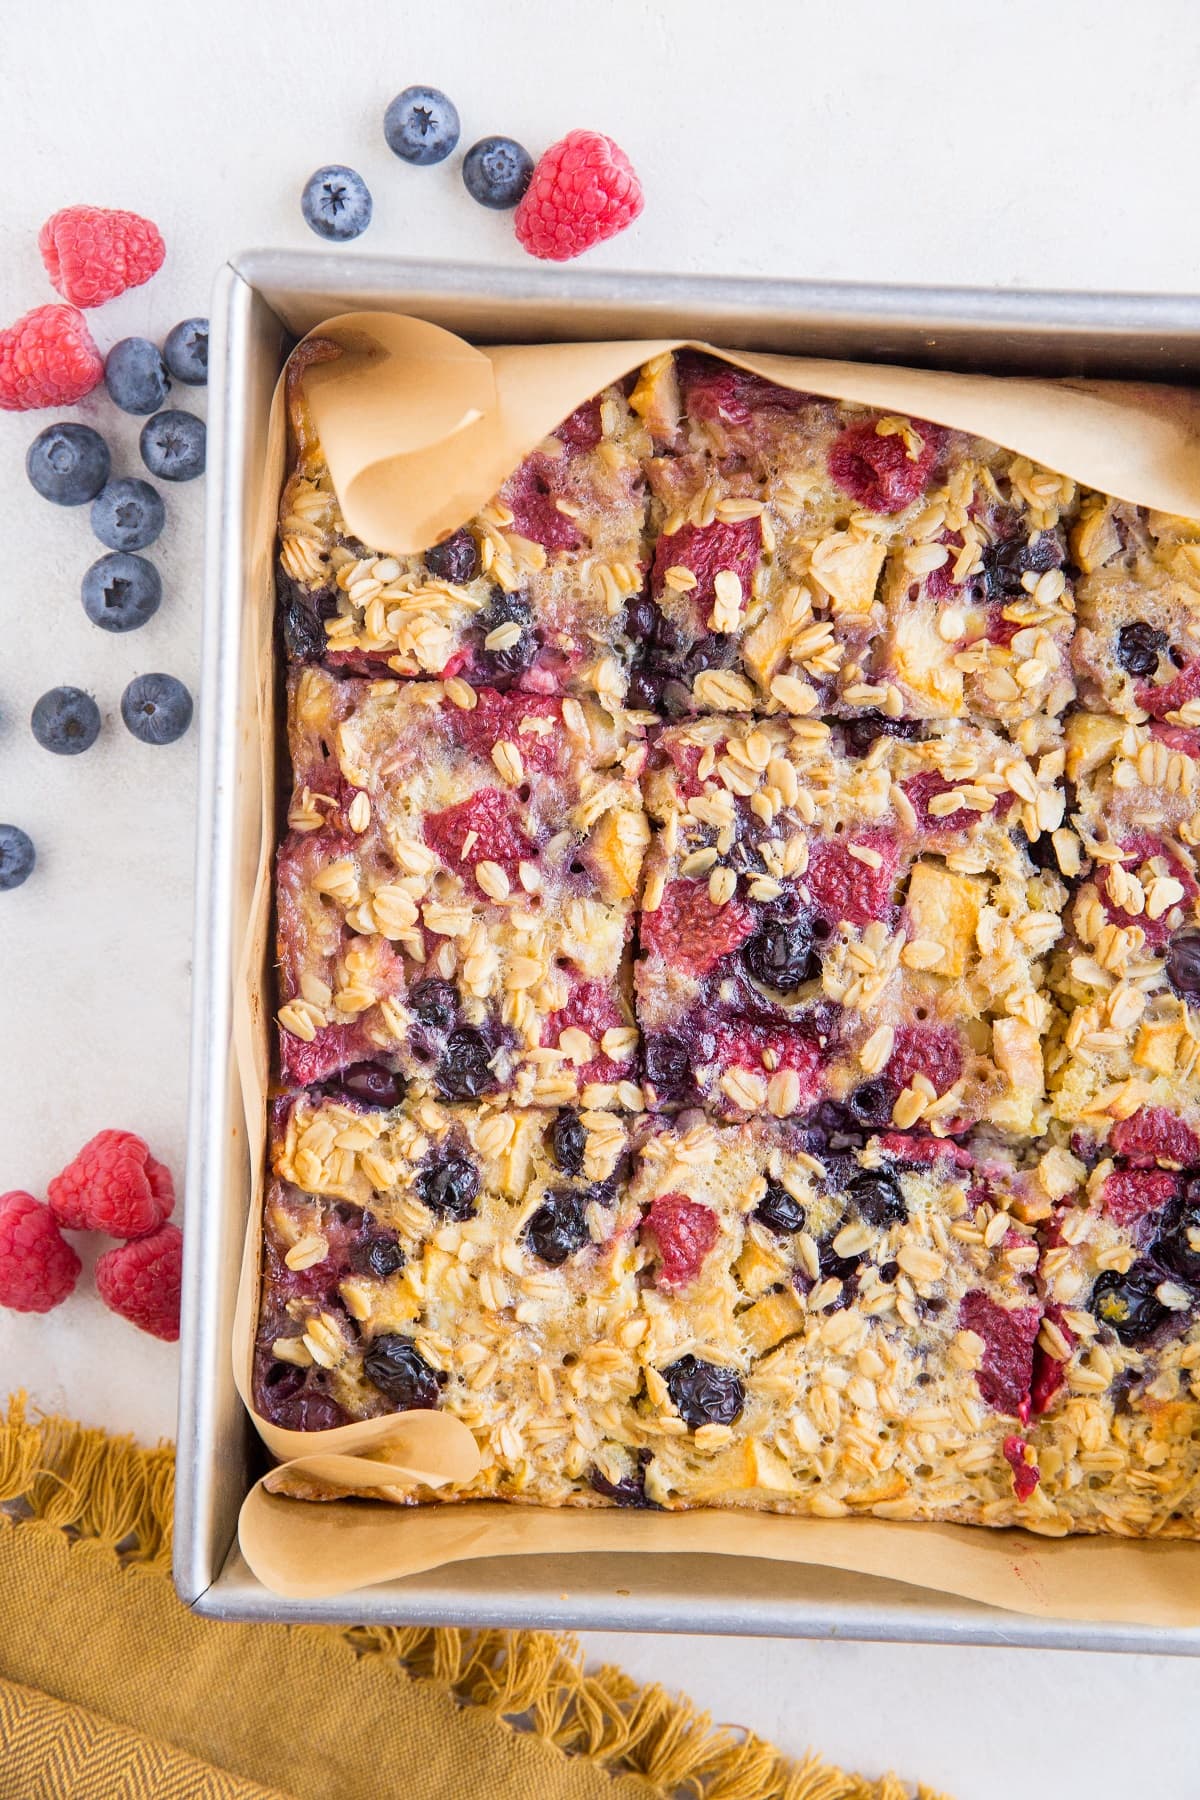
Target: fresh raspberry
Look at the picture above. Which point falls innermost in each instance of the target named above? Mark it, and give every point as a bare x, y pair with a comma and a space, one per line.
1048, 1373
692, 934
38, 1267
92, 253
530, 495
1026, 1473
47, 359
932, 1050
683, 1232
705, 550
1129, 1194
926, 786
842, 887
1159, 701
113, 1185
482, 828
141, 1281
582, 191
1009, 1335
496, 717
1153, 1134
878, 471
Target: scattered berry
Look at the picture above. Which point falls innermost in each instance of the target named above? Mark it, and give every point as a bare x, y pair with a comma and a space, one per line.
173, 445
113, 1185
67, 463
93, 253
483, 828
1005, 1374
842, 887
156, 708
1129, 1194
1154, 1134
336, 203
396, 1367
497, 171
421, 126
667, 1066
457, 559
136, 376
38, 1268
377, 1255
705, 550
1183, 962
1020, 1458
582, 191
931, 1050
780, 956
121, 591
568, 1138
66, 721
371, 1085
878, 1198
128, 515
559, 1227
186, 352
631, 1489
692, 934
780, 1211
1177, 1245
1160, 702
879, 471
683, 1233
47, 359
1129, 1302
464, 1071
704, 1393
450, 1188
1139, 647
141, 1280
17, 857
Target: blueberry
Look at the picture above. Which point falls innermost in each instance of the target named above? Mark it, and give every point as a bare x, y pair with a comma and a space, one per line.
136, 376
68, 464
780, 955
878, 1197
457, 560
643, 619
396, 1367
305, 1410
449, 1187
421, 126
510, 609
861, 732
497, 170
1139, 647
156, 708
336, 203
780, 1211
704, 1393
120, 591
1177, 1245
668, 1066
872, 1103
17, 857
173, 445
1005, 562
434, 1003
569, 1138
463, 1072
66, 720
371, 1085
128, 515
1128, 1302
1183, 961
186, 352
377, 1254
559, 1226
631, 1489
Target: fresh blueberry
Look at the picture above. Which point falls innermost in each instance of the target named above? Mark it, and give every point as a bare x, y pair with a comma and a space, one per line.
780, 1211
17, 857
186, 352
455, 560
120, 591
173, 445
569, 1139
396, 1367
704, 1393
450, 1187
421, 126
156, 708
68, 464
559, 1227
496, 171
137, 378
464, 1072
128, 515
1139, 647
336, 203
66, 720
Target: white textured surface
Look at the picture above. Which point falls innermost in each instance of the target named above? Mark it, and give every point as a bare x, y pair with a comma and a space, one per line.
772, 138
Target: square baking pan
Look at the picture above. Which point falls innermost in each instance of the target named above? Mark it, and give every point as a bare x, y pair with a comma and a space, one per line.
263, 302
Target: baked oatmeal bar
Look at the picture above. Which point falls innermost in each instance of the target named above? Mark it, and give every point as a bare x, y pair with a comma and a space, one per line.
530, 593
817, 557
1124, 1068
752, 1320
820, 927
1136, 650
455, 892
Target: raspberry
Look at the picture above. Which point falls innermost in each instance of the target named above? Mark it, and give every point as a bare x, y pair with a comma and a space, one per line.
719, 394
140, 1281
1048, 1373
921, 1149
683, 1232
932, 1050
1137, 850
530, 496
692, 934
496, 717
878, 471
844, 888
38, 1267
582, 191
1159, 701
1006, 1373
1026, 1474
113, 1185
1153, 1134
1177, 737
583, 429
743, 1046
1129, 1194
304, 1064
705, 550
481, 829
923, 788
940, 583
47, 359
92, 253
591, 1008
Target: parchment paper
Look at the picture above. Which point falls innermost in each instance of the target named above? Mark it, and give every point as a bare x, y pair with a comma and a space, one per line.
420, 429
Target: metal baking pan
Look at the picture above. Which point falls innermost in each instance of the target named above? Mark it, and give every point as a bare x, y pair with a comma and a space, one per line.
262, 302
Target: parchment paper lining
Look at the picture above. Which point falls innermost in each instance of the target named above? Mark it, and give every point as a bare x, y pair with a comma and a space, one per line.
420, 429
